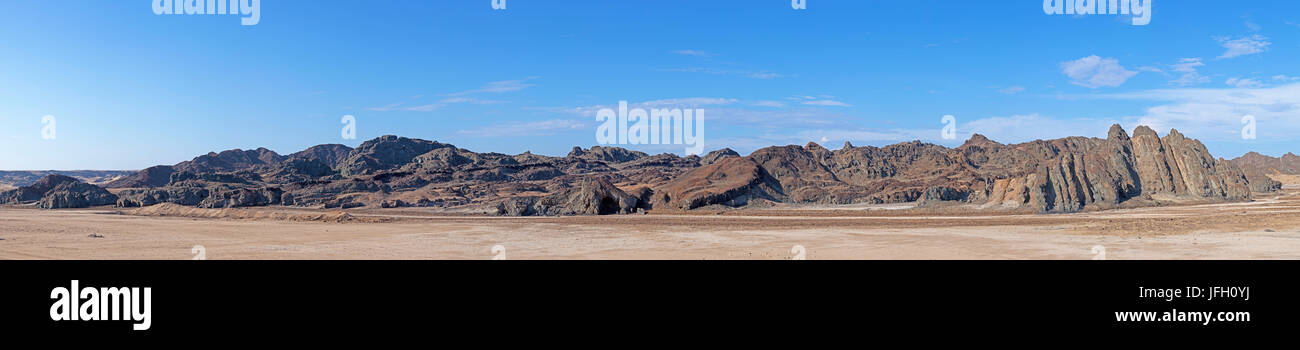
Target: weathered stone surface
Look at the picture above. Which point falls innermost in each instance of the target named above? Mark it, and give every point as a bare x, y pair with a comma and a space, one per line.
731, 181
155, 176
36, 190
606, 154
1062, 175
715, 156
592, 196
385, 153
58, 191
180, 195
242, 197
76, 195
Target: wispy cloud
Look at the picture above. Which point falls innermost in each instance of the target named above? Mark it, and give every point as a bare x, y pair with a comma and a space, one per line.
537, 128
1094, 72
694, 53
1216, 114
1242, 46
497, 87
740, 73
820, 100
826, 103
1244, 83
433, 106
1190, 76
1011, 90
732, 112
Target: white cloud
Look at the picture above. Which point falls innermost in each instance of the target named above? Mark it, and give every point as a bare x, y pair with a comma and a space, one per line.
1012, 90
433, 106
1215, 114
1242, 46
694, 53
1029, 127
819, 100
497, 87
1094, 72
1188, 65
1190, 76
741, 73
767, 103
1244, 83
827, 103
538, 128
1285, 78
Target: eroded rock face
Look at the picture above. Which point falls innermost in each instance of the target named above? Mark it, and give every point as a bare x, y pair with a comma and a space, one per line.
731, 181
385, 153
242, 197
715, 156
155, 176
1099, 174
1062, 175
76, 195
230, 161
331, 154
190, 196
592, 196
57, 192
607, 154
1257, 167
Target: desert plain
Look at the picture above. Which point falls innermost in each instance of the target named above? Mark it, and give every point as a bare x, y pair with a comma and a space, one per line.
1265, 228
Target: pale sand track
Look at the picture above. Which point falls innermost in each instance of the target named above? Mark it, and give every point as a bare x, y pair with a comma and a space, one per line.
1268, 228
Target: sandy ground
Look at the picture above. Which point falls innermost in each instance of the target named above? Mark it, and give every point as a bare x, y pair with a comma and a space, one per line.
1268, 228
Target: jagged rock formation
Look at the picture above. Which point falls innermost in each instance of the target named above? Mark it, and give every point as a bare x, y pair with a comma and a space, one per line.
232, 160
331, 155
26, 178
733, 181
593, 196
1286, 164
385, 153
155, 176
76, 195
58, 191
1258, 167
715, 156
1063, 175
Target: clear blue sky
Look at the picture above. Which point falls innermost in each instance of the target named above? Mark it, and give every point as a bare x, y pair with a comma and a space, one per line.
130, 89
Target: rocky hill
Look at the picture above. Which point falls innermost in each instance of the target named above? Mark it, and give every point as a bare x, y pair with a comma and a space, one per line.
25, 178
58, 191
1288, 164
1258, 167
1047, 176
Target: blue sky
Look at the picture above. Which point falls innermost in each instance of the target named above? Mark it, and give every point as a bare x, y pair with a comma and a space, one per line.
130, 89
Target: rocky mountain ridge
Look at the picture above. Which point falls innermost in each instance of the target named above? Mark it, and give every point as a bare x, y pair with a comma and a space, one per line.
1047, 176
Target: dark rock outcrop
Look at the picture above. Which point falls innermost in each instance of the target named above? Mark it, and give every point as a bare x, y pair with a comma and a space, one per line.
715, 156
76, 195
1062, 175
591, 196
607, 154
730, 182
155, 176
330, 154
384, 153
58, 192
230, 161
190, 196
